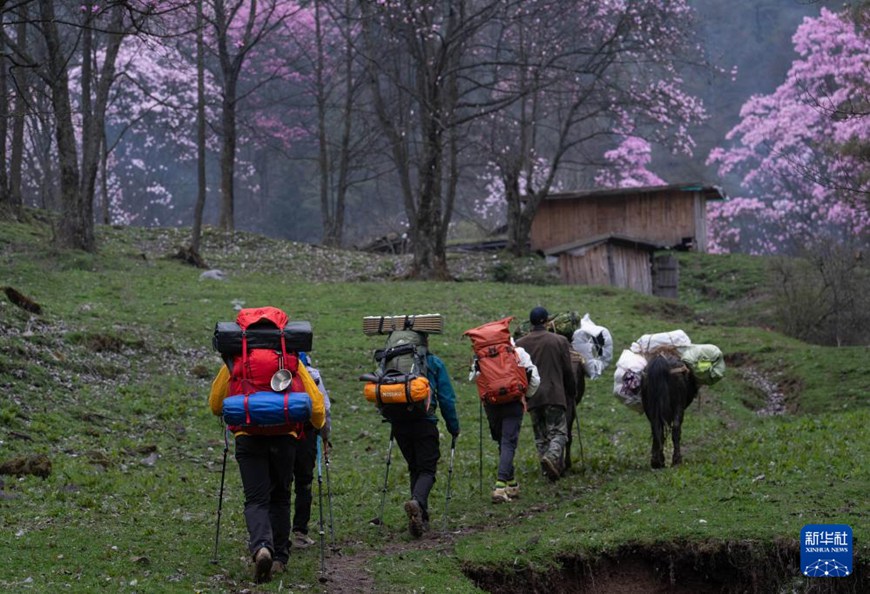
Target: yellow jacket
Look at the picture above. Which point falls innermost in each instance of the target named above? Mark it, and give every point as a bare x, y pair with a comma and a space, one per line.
220, 389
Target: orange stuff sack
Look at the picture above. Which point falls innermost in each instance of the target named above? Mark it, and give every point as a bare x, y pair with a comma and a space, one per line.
414, 390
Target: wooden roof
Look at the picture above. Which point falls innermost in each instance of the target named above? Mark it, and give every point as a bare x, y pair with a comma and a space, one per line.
709, 192
614, 238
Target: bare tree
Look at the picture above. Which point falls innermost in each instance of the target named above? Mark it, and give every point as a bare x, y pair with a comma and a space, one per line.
237, 28
419, 62
70, 45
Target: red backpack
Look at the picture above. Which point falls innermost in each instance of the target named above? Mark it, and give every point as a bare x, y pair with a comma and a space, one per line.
252, 370
501, 379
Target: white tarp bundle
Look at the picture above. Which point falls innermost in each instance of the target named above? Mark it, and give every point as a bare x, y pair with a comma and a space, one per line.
627, 378
650, 342
705, 360
595, 343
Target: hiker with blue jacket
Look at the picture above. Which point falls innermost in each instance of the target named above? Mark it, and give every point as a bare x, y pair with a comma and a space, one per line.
418, 440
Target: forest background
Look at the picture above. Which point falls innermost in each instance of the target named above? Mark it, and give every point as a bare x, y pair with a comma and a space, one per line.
333, 122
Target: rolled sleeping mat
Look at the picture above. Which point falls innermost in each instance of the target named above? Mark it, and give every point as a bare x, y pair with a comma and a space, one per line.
267, 408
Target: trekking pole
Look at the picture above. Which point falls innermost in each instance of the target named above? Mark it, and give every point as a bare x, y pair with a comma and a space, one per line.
217, 530
579, 439
320, 507
380, 519
449, 476
329, 495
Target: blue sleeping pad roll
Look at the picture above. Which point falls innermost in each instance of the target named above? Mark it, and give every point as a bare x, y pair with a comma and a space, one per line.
267, 408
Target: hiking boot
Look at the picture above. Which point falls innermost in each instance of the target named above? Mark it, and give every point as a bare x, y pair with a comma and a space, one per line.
513, 490
550, 468
499, 495
301, 540
415, 518
263, 566
278, 567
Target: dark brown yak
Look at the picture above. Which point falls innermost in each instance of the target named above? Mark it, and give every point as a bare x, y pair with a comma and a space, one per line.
667, 389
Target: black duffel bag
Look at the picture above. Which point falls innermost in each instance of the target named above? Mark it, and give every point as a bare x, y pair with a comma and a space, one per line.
228, 337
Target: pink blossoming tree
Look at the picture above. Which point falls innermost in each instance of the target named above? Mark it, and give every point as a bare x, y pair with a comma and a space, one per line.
800, 153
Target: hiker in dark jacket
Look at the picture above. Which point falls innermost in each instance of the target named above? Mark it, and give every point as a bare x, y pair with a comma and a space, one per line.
550, 352
306, 461
419, 442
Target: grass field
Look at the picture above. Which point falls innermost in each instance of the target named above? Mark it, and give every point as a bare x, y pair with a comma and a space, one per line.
109, 384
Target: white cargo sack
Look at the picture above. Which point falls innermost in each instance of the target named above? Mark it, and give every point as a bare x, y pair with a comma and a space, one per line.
650, 342
595, 344
627, 378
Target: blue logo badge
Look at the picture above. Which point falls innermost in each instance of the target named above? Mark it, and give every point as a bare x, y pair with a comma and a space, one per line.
826, 550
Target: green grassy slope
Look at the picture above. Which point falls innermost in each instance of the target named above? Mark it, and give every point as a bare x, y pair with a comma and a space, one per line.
110, 383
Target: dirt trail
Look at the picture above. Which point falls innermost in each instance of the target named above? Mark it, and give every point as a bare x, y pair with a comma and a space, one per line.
351, 573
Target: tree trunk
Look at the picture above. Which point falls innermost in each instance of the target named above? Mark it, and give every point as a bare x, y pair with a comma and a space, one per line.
4, 131
228, 162
106, 213
199, 207
19, 113
75, 229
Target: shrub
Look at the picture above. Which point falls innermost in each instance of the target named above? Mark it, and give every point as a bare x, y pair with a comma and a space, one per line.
824, 296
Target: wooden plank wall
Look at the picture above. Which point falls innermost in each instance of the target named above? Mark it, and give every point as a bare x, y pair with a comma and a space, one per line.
658, 217
608, 264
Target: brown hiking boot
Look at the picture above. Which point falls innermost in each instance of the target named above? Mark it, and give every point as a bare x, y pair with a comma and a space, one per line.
415, 518
263, 566
550, 468
278, 567
301, 540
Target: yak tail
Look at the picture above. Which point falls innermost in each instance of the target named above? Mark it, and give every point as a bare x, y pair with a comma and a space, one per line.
656, 397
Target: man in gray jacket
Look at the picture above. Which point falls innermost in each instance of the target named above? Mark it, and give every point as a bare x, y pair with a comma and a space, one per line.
550, 352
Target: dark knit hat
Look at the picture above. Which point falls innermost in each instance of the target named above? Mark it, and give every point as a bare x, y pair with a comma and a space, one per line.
538, 316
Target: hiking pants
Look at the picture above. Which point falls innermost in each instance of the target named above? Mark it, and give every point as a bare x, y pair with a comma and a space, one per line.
266, 466
303, 476
418, 441
551, 431
505, 421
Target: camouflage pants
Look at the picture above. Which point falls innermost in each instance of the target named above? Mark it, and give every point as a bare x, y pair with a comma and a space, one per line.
551, 431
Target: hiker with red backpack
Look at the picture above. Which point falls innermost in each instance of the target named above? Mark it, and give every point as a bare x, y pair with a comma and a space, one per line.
265, 397
505, 377
550, 352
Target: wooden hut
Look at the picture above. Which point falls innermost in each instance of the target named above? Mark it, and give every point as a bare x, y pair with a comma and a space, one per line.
613, 260
667, 216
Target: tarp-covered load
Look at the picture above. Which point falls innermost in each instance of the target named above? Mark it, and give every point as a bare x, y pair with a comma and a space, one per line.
704, 360
564, 323
595, 344
649, 342
627, 378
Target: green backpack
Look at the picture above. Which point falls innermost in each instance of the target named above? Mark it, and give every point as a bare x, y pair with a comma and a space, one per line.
402, 360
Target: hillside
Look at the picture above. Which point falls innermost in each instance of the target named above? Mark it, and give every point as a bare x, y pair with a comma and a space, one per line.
110, 462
